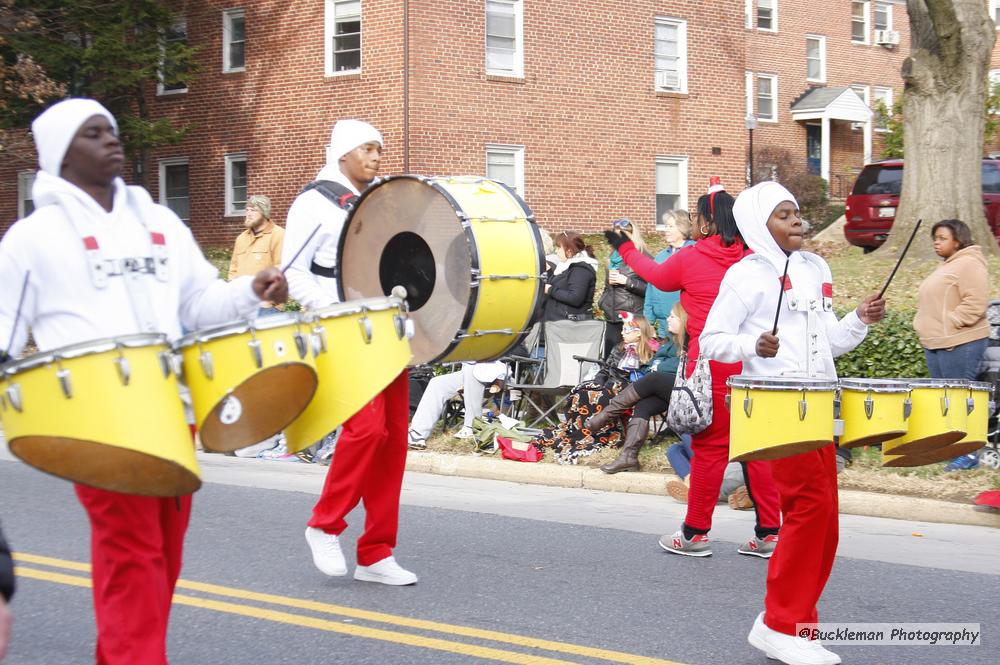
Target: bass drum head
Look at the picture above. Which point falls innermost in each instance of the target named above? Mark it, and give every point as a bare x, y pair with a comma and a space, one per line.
405, 232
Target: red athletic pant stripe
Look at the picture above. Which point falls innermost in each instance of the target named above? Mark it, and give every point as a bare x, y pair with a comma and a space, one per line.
368, 466
136, 545
803, 559
711, 455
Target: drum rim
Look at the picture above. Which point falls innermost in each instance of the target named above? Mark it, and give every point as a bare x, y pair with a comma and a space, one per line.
353, 307
875, 385
939, 383
980, 386
237, 328
805, 382
81, 349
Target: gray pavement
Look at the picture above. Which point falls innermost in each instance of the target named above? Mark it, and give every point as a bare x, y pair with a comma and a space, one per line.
574, 566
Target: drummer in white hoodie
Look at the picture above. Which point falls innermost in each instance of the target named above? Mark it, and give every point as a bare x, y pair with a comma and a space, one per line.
809, 336
73, 253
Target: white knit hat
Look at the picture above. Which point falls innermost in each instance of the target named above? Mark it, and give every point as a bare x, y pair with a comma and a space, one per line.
55, 128
348, 135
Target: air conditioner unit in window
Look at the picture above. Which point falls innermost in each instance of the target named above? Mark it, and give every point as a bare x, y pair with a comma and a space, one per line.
887, 37
668, 80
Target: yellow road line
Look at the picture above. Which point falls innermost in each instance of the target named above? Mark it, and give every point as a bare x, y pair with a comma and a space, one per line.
366, 615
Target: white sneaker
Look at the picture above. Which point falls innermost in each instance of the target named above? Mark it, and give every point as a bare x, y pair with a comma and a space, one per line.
258, 448
386, 571
414, 442
326, 552
464, 433
789, 649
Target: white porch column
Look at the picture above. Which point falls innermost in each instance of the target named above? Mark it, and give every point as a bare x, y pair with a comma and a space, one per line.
868, 141
824, 160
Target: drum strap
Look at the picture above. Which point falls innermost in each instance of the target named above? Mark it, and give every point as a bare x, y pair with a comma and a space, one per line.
343, 198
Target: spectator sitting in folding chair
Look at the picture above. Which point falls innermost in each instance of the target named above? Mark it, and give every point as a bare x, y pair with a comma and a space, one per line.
572, 440
472, 380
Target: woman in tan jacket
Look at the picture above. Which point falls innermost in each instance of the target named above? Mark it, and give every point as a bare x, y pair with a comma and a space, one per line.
951, 307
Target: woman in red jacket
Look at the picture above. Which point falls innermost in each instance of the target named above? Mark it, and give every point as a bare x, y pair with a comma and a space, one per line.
697, 272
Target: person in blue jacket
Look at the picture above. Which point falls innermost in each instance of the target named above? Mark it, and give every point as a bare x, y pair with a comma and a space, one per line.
677, 229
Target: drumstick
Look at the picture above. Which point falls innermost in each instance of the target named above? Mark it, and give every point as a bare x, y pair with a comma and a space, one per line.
777, 312
289, 264
900, 261
17, 314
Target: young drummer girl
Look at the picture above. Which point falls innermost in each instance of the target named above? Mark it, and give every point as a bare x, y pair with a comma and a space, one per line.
739, 328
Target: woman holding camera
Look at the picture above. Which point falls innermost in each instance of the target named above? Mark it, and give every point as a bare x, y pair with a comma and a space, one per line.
624, 291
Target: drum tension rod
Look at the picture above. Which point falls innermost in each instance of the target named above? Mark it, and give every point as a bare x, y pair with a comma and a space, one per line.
14, 397
366, 327
479, 333
803, 406
300, 344
255, 351
164, 363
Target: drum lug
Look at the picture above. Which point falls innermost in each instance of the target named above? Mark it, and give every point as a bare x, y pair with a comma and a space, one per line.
400, 324
945, 405
907, 408
836, 409
124, 370
747, 405
14, 397
177, 365
258, 356
206, 364
319, 340
164, 357
970, 406
300, 344
65, 382
869, 406
366, 328
803, 408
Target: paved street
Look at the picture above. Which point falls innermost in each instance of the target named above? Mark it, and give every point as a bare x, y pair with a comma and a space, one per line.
508, 573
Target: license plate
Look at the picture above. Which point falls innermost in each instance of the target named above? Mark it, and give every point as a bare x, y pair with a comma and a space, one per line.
886, 212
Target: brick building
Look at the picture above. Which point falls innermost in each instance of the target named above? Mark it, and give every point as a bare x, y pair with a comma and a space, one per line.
591, 110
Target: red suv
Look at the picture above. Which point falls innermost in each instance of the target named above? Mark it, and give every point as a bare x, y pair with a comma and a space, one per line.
871, 206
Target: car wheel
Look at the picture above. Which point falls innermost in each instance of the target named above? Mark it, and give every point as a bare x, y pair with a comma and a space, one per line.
869, 250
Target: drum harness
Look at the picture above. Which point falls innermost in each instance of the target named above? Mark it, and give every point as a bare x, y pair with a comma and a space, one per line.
343, 198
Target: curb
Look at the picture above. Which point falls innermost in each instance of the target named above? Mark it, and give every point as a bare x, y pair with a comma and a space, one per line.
852, 502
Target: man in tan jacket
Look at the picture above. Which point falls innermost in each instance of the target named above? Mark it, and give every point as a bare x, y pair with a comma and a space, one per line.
259, 246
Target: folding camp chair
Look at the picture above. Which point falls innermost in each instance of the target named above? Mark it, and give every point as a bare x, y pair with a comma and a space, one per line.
558, 373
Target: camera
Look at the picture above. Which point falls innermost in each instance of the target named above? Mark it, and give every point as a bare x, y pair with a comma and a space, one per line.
621, 224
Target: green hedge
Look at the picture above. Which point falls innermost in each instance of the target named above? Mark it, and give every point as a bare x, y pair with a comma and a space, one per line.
891, 349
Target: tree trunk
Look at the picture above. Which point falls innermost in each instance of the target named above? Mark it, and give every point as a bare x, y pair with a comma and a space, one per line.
946, 79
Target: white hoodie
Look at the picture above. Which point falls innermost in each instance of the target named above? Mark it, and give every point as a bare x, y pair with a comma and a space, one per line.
809, 334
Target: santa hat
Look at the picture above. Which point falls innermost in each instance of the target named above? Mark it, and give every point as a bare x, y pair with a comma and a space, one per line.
55, 128
715, 185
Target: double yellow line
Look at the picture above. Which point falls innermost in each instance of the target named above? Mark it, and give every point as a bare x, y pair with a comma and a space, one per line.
255, 611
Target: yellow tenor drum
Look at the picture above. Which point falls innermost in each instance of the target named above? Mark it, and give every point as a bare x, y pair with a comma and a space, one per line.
105, 414
772, 417
248, 380
467, 251
360, 346
979, 406
939, 417
873, 410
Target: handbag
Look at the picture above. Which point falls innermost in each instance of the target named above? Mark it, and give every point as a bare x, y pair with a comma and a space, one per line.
690, 409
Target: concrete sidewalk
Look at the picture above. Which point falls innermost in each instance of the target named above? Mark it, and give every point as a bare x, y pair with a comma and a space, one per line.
852, 502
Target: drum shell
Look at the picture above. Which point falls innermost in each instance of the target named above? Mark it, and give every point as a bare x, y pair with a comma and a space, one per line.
931, 426
887, 419
773, 429
270, 396
979, 417
351, 370
936, 456
130, 438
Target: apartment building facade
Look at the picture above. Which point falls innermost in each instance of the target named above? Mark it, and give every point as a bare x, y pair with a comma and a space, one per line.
590, 110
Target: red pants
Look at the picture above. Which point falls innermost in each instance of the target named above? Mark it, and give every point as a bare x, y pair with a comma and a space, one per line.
711, 455
803, 559
368, 466
135, 552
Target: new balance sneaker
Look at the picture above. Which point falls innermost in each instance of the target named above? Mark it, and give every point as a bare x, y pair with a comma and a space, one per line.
789, 649
678, 544
386, 571
677, 490
762, 547
464, 433
326, 552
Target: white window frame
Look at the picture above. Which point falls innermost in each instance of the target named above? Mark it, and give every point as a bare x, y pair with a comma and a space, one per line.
517, 151
517, 9
864, 92
774, 97
160, 90
994, 9
162, 193
227, 39
888, 98
774, 17
748, 17
822, 58
888, 14
682, 58
749, 91
868, 22
231, 211
682, 181
25, 179
330, 18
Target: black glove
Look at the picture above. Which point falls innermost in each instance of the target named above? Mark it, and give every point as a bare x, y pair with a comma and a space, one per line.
616, 238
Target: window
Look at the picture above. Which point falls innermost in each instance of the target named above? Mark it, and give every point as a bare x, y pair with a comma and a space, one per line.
883, 96
343, 36
670, 52
505, 163
25, 206
862, 92
671, 185
767, 92
767, 15
236, 185
859, 22
233, 40
504, 37
815, 58
174, 190
175, 35
995, 12
882, 19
